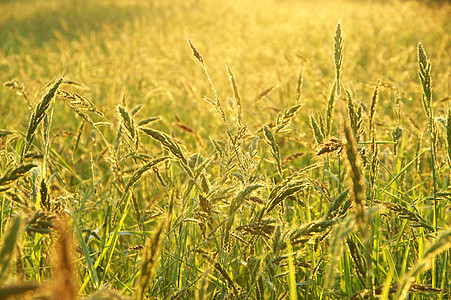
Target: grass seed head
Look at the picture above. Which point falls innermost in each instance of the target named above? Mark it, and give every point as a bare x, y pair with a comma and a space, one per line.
338, 57
38, 115
357, 181
275, 151
373, 107
15, 174
283, 119
236, 95
78, 101
195, 52
317, 133
332, 146
127, 120
299, 86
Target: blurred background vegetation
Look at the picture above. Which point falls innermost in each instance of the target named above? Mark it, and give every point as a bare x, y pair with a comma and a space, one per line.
139, 47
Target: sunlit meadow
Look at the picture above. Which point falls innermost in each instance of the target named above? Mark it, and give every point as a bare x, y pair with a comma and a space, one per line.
273, 149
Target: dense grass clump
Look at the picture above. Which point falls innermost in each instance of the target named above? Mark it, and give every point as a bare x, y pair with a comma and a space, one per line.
278, 159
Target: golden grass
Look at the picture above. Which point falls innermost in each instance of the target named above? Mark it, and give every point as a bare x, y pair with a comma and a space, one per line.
336, 203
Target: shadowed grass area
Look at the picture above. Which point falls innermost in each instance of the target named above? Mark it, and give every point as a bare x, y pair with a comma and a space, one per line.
27, 25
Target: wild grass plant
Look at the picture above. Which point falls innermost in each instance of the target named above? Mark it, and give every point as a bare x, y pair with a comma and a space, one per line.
210, 178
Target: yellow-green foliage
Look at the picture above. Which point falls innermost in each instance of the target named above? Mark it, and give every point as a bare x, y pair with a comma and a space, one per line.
196, 149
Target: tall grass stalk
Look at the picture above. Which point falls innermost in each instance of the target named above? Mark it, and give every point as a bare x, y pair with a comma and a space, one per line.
424, 72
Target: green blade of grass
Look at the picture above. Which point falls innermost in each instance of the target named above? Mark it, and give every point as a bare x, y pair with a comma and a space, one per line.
92, 273
387, 186
66, 165
387, 285
391, 264
8, 246
111, 244
291, 273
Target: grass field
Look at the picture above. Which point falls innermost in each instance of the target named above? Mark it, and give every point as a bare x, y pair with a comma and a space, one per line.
276, 149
